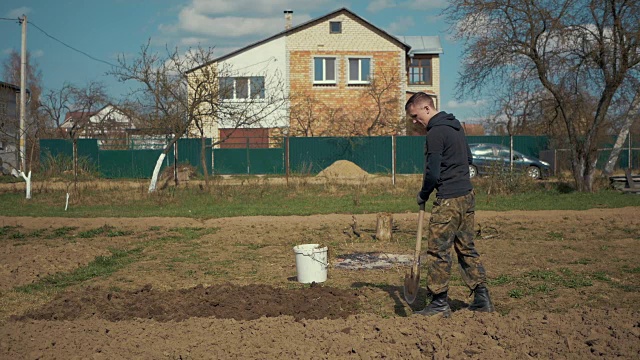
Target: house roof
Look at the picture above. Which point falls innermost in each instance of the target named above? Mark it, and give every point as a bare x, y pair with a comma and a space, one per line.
11, 86
301, 26
75, 115
422, 44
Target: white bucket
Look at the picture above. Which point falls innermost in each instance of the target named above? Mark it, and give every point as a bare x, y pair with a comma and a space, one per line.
311, 263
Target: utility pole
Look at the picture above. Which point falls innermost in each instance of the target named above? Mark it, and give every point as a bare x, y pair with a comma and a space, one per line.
23, 98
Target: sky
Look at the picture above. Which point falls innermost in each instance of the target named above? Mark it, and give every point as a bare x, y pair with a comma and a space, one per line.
75, 41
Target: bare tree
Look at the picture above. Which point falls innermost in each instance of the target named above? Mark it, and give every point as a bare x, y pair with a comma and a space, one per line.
378, 111
55, 104
579, 51
178, 93
305, 114
86, 101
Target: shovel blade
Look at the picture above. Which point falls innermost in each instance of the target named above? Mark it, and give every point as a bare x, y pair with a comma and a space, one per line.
411, 286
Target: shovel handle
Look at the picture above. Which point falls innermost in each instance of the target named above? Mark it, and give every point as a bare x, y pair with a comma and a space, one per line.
416, 256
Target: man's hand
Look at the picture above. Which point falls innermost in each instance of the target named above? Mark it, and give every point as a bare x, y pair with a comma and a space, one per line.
420, 200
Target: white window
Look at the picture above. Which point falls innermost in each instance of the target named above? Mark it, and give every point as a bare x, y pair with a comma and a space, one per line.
246, 87
359, 70
324, 70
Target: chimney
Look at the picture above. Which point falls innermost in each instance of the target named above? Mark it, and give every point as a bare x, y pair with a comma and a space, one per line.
288, 16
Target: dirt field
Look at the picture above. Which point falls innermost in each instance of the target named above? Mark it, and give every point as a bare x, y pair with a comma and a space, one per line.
566, 284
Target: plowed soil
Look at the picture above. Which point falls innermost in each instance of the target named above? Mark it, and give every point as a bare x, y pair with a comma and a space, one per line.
566, 285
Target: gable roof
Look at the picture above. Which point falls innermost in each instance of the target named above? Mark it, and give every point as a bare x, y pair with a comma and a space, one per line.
73, 116
300, 27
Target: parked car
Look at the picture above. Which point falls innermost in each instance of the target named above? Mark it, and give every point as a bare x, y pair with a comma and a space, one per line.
492, 157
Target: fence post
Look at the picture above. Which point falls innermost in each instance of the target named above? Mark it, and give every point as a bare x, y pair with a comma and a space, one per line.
393, 160
248, 158
286, 158
630, 153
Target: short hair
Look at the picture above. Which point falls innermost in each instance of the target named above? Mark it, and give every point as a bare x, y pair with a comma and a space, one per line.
419, 98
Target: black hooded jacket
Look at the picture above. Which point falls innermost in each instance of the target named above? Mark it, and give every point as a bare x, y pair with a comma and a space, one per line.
447, 158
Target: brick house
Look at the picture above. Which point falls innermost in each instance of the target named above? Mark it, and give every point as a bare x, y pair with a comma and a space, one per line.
341, 75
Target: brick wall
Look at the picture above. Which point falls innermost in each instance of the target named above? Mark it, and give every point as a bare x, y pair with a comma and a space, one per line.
344, 109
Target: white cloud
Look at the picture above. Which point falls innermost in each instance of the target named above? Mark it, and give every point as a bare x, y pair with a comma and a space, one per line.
378, 5
17, 13
229, 26
193, 41
37, 54
7, 51
235, 23
400, 25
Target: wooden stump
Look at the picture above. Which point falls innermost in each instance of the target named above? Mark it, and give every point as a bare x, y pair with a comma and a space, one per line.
384, 226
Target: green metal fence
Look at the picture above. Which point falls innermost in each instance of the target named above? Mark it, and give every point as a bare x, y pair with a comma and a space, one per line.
311, 155
301, 155
136, 162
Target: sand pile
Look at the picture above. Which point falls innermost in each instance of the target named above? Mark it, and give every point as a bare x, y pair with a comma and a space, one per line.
343, 169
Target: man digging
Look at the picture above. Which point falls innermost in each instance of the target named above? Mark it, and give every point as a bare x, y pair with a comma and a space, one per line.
447, 159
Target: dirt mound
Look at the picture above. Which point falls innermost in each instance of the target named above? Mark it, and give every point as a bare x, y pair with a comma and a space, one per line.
343, 169
226, 301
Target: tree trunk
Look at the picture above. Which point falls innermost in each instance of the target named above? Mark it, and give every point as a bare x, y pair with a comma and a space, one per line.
156, 170
203, 160
617, 147
383, 227
583, 168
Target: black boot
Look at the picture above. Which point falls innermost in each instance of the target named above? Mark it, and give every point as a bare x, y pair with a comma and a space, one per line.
481, 299
438, 305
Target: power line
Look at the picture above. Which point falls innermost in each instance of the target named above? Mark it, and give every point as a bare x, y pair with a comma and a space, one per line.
10, 19
71, 47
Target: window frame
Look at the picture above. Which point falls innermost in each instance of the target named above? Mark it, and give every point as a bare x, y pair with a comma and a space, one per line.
324, 80
235, 90
420, 73
360, 81
331, 30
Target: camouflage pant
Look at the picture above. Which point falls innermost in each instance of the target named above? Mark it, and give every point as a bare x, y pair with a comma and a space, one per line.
452, 223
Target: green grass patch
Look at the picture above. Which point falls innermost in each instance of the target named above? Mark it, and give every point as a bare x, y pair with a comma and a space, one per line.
6, 230
62, 232
88, 234
282, 200
99, 267
627, 269
516, 293
501, 280
17, 235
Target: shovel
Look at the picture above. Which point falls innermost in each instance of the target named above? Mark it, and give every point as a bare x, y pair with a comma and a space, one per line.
412, 281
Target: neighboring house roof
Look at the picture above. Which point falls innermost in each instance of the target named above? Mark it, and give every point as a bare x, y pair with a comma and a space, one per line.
298, 28
93, 116
72, 116
11, 86
422, 44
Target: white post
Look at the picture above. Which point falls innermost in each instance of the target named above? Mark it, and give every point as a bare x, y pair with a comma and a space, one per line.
23, 98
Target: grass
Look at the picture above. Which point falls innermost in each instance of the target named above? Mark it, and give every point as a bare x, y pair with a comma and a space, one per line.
258, 198
100, 266
103, 266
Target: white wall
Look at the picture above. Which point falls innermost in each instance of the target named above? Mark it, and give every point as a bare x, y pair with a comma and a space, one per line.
268, 60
